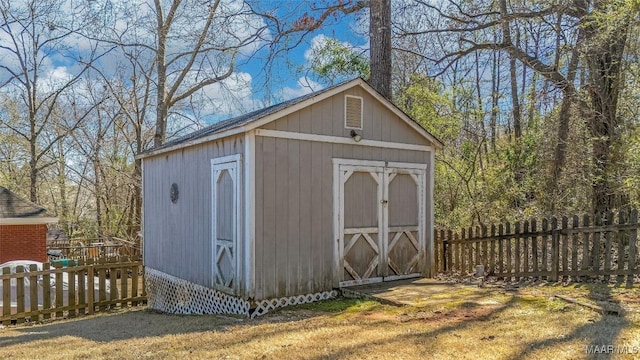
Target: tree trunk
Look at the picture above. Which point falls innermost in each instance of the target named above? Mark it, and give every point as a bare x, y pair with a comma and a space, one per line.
604, 59
62, 185
380, 40
33, 162
495, 93
161, 110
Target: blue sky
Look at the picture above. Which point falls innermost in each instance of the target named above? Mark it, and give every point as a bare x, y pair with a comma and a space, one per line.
247, 89
288, 75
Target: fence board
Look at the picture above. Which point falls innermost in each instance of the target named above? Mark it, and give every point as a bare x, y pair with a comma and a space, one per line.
492, 251
608, 246
70, 297
134, 285
500, 249
586, 263
555, 249
33, 292
545, 240
516, 253
485, 250
534, 245
620, 240
525, 247
20, 294
508, 245
633, 238
574, 242
82, 283
449, 254
470, 251
6, 296
564, 237
562, 249
46, 290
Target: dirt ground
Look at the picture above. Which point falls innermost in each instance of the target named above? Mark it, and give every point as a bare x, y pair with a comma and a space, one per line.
472, 321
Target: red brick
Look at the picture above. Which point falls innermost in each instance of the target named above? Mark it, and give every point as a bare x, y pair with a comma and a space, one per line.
23, 242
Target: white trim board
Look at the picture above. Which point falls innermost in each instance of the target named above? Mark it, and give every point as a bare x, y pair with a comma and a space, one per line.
249, 194
28, 221
197, 141
348, 85
340, 140
302, 104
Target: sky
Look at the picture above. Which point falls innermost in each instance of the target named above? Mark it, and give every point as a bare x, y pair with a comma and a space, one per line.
289, 76
250, 87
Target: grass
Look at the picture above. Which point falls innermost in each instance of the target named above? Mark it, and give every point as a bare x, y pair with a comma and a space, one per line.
492, 324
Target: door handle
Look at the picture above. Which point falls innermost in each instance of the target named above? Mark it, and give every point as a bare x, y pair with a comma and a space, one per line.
384, 202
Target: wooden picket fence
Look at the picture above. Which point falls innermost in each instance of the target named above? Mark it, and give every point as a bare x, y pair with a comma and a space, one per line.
91, 285
555, 249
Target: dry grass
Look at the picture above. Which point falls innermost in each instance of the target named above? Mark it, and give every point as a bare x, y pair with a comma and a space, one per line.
492, 324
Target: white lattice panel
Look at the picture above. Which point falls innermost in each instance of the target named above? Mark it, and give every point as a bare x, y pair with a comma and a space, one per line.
264, 306
169, 294
173, 295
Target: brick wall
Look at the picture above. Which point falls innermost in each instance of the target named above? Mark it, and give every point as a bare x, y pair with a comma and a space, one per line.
23, 242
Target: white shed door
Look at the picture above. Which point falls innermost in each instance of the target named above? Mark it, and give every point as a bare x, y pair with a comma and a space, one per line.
380, 219
225, 222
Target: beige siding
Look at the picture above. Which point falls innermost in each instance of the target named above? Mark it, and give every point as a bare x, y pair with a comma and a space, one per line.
294, 211
177, 237
327, 118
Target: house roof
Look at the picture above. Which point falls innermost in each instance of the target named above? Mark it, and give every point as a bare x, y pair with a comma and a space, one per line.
250, 120
16, 210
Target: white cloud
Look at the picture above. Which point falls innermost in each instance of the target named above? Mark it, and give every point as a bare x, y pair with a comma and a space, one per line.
320, 41
304, 86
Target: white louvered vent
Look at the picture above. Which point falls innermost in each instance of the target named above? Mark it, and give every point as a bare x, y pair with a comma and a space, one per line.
353, 112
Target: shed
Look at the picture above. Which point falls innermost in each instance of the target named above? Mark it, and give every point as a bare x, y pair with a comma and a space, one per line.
286, 204
23, 228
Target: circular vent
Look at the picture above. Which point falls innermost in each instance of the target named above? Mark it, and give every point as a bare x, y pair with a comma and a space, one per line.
174, 193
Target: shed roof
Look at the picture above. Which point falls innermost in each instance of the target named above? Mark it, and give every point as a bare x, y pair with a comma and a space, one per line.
14, 209
252, 118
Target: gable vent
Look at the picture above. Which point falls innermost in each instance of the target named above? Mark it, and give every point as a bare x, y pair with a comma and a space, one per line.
353, 112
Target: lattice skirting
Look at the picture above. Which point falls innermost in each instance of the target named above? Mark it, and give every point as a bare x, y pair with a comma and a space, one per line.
169, 294
264, 306
173, 295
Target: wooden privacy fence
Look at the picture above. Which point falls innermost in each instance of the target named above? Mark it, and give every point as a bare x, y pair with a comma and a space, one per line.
84, 288
555, 249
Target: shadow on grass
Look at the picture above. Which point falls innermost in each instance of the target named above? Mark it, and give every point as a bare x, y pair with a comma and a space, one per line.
424, 337
118, 326
602, 332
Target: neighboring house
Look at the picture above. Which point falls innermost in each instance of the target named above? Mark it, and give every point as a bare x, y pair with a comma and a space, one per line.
286, 204
23, 228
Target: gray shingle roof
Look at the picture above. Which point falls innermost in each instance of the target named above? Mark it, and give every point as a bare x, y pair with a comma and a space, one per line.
13, 206
241, 120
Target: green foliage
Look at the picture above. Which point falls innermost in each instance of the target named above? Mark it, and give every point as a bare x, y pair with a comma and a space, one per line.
334, 60
425, 102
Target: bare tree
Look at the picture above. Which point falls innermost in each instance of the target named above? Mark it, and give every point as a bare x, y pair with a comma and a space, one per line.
587, 28
34, 30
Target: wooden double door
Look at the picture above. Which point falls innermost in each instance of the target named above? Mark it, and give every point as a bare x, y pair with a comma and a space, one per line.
380, 220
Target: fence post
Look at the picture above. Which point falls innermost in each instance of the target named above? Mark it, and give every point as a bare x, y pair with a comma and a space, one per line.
633, 238
33, 306
555, 249
444, 255
46, 290
6, 297
90, 288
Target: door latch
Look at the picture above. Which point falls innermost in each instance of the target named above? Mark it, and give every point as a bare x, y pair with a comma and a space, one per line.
384, 202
